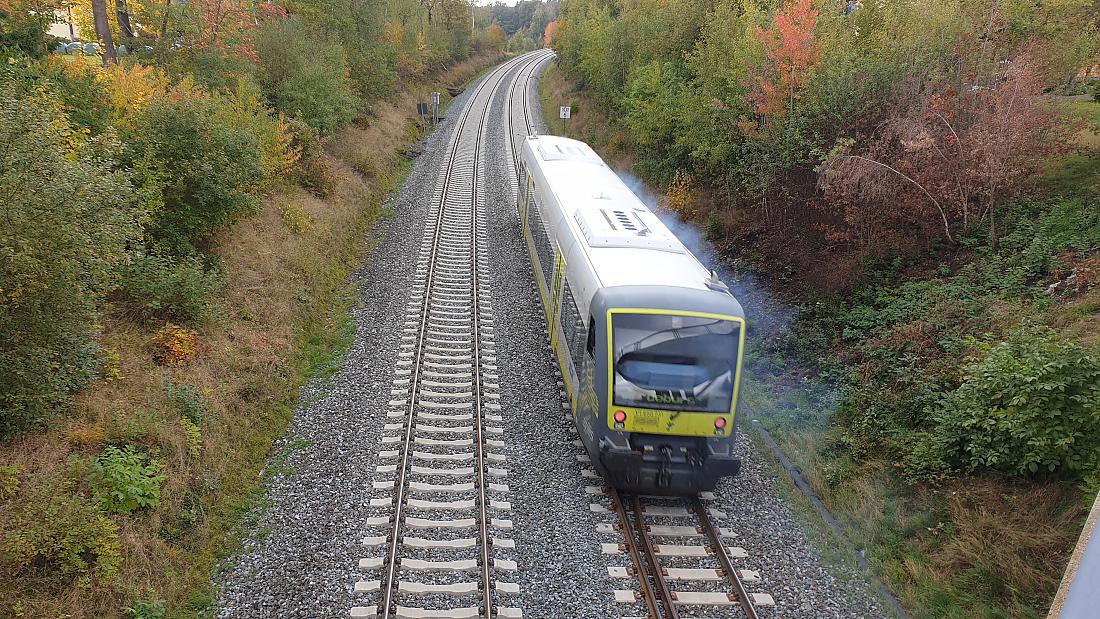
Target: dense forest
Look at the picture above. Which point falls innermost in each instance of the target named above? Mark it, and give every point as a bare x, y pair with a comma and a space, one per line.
919, 180
186, 188
523, 24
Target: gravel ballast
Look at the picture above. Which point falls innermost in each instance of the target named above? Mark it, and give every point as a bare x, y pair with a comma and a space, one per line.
301, 558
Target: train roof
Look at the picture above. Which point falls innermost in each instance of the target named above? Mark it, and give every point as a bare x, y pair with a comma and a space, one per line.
626, 242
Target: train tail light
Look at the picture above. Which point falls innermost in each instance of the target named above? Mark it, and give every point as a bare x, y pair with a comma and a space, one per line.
620, 418
720, 423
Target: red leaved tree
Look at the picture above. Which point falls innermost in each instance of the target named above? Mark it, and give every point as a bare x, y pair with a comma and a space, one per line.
946, 157
229, 25
548, 34
792, 52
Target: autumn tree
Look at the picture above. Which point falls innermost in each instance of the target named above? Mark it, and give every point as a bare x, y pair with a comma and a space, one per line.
946, 157
103, 30
792, 51
495, 37
548, 34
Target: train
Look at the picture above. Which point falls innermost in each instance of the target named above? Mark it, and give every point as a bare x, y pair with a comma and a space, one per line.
649, 341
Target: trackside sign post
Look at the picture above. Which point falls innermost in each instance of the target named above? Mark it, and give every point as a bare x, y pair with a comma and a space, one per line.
563, 114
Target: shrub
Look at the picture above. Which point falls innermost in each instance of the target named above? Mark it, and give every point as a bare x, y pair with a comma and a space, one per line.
174, 346
192, 435
1031, 403
279, 149
172, 288
198, 169
187, 401
122, 481
73, 82
24, 29
311, 170
370, 66
295, 216
58, 536
306, 76
146, 609
67, 217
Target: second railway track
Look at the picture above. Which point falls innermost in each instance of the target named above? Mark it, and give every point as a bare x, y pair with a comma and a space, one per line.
441, 546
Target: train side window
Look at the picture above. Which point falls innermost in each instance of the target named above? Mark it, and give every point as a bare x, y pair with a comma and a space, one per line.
590, 345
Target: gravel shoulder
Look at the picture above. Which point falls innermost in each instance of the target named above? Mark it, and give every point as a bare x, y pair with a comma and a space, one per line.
301, 558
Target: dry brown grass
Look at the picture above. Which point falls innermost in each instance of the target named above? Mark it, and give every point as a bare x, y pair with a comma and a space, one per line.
285, 298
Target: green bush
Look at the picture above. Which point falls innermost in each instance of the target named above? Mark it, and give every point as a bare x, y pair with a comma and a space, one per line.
25, 32
198, 170
306, 76
1030, 404
67, 217
122, 481
172, 288
370, 66
146, 609
311, 171
187, 401
50, 533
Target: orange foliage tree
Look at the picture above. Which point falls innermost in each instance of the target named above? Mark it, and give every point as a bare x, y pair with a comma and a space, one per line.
792, 51
229, 25
495, 37
548, 34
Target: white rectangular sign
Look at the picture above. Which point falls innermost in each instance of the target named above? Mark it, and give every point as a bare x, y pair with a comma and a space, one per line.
564, 113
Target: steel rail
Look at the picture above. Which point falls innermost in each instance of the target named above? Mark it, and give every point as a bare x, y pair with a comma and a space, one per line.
483, 505
632, 548
513, 148
390, 575
668, 599
714, 540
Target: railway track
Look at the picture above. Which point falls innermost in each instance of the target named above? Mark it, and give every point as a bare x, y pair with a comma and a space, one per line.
441, 548
517, 108
678, 557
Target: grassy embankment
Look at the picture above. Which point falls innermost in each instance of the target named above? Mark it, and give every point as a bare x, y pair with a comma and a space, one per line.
283, 319
981, 545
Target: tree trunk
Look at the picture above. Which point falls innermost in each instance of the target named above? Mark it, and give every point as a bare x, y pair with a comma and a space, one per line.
164, 21
103, 30
994, 241
123, 15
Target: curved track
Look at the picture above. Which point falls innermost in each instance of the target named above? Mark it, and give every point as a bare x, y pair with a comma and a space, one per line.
446, 533
516, 108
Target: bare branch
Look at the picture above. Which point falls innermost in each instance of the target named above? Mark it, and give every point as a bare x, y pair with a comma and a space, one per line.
943, 214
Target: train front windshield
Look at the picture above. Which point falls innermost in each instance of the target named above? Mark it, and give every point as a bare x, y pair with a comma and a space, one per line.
672, 362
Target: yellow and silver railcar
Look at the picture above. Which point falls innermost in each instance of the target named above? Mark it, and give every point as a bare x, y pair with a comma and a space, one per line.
649, 341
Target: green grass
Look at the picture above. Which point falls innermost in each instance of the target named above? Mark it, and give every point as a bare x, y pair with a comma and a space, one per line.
1079, 169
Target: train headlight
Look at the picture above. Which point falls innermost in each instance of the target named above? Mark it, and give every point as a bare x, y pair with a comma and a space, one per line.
620, 418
